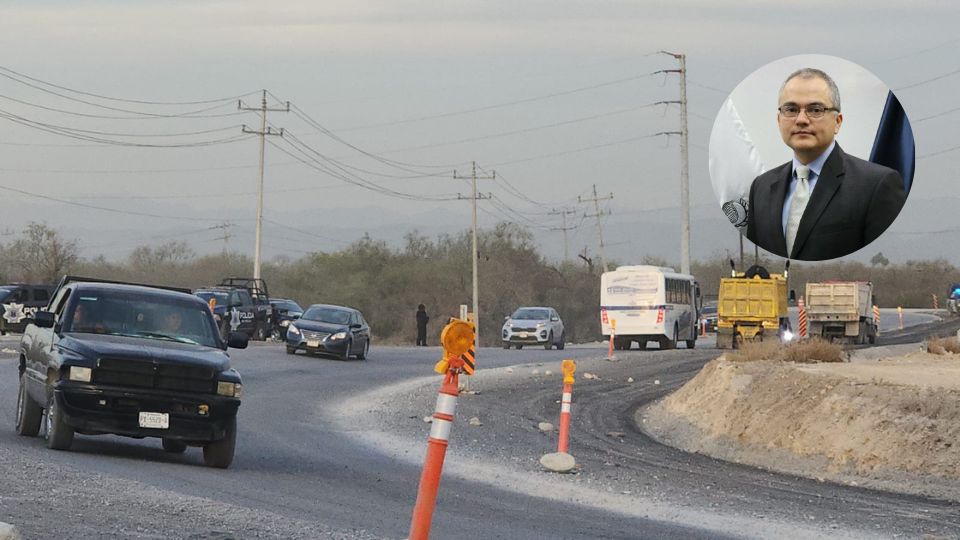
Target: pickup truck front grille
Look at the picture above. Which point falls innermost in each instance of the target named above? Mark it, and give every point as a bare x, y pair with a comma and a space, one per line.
147, 374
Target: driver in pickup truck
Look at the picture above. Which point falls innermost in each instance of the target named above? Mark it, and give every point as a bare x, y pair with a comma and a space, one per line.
84, 321
171, 322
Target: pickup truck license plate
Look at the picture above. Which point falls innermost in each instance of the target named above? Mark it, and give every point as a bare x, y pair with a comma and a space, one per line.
313, 343
154, 420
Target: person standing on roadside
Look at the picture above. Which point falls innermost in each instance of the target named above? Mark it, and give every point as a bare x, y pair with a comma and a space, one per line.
422, 319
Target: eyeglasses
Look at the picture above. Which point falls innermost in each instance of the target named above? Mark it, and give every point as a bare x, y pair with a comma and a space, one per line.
814, 110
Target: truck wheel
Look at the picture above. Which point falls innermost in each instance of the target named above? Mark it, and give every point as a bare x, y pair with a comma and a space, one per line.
549, 344
59, 434
737, 341
259, 333
219, 454
174, 446
29, 414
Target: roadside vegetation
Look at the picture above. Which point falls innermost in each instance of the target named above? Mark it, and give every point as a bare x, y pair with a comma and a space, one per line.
947, 345
388, 282
808, 351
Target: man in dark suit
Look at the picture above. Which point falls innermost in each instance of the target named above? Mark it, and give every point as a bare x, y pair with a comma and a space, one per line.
824, 203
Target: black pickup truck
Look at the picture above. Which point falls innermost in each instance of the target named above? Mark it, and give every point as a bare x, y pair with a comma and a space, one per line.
18, 303
133, 360
240, 305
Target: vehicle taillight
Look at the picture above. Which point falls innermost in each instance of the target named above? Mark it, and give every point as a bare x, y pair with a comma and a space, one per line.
660, 315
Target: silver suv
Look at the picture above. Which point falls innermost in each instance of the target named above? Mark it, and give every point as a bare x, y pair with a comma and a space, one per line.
534, 326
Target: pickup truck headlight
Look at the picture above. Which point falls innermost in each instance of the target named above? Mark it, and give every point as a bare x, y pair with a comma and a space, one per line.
229, 389
339, 335
82, 374
293, 330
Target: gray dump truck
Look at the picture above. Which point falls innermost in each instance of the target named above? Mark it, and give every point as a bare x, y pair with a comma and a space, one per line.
841, 311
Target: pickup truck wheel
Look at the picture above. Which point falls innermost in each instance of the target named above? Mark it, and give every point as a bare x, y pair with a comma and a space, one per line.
219, 454
59, 434
29, 414
259, 333
174, 446
275, 335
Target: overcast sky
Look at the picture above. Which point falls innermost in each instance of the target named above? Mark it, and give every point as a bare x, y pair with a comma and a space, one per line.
554, 95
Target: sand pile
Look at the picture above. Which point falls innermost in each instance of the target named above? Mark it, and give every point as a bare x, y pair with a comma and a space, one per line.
888, 421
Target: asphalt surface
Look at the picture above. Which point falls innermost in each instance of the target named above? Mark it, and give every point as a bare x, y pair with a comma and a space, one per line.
299, 473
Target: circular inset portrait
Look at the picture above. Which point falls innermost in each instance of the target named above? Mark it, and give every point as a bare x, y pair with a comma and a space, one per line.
811, 157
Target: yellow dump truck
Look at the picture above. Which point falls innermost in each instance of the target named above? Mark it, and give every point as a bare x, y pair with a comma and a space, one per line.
841, 311
752, 306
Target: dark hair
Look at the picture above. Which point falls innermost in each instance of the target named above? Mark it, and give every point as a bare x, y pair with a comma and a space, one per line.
812, 73
421, 307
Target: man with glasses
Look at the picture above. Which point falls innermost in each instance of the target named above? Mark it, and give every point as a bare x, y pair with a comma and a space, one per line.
824, 203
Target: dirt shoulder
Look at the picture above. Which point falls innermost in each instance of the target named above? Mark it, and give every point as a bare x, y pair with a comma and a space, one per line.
888, 419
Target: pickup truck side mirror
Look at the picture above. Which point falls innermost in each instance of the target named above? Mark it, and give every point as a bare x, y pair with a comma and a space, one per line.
43, 319
238, 340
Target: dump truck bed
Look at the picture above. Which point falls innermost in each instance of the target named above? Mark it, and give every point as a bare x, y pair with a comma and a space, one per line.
839, 301
743, 299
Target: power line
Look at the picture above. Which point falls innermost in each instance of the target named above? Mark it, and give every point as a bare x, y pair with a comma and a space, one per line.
346, 176
101, 208
192, 114
64, 132
937, 78
387, 161
499, 105
578, 150
100, 96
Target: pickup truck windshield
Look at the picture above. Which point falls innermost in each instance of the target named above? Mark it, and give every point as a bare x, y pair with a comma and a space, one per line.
142, 317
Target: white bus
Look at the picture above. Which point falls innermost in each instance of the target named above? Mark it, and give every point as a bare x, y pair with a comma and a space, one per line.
649, 303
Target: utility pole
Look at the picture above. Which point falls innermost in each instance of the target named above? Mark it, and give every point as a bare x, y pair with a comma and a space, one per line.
264, 131
226, 235
476, 254
684, 164
598, 214
563, 213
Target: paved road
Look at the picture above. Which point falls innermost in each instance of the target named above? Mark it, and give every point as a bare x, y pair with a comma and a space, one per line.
301, 474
